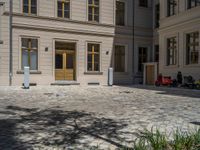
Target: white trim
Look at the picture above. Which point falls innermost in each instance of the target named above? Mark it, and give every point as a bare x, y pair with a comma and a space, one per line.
100, 53
38, 8
76, 55
20, 51
185, 47
165, 50
56, 10
100, 12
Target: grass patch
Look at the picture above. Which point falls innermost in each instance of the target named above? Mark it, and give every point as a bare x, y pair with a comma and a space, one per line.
155, 140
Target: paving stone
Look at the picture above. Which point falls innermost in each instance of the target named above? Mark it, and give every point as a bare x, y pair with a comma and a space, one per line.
84, 117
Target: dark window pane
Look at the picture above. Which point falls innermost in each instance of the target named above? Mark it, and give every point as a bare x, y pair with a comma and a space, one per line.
25, 43
25, 58
59, 5
192, 44
89, 58
90, 66
66, 14
25, 9
34, 43
96, 66
119, 58
59, 13
143, 3
120, 13
142, 58
96, 58
33, 60
70, 61
33, 10
90, 1
25, 2
171, 51
59, 61
34, 2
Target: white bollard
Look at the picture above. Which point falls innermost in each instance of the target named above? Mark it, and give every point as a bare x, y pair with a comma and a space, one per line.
110, 76
26, 77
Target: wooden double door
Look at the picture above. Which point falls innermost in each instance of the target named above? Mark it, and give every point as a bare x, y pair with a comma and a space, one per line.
65, 65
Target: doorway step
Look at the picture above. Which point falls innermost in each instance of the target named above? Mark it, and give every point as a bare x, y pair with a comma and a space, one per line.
65, 83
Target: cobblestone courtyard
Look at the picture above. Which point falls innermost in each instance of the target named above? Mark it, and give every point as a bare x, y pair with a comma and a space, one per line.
76, 117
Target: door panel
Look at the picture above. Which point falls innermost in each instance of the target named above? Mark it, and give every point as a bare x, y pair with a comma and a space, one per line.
150, 75
64, 65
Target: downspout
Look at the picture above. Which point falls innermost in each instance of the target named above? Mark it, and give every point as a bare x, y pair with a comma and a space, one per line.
11, 46
1, 5
133, 60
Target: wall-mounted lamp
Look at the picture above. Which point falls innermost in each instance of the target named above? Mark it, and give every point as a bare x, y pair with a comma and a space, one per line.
46, 49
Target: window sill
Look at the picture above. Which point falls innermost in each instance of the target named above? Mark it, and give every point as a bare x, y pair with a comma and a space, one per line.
171, 66
31, 72
192, 65
93, 73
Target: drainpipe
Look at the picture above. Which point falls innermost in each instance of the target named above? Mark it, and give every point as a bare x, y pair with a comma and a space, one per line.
133, 63
11, 40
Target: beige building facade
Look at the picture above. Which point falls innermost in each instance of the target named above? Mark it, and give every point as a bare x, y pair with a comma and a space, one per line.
73, 41
178, 38
76, 41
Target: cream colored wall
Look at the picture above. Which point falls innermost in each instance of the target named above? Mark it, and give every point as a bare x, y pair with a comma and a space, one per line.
46, 59
184, 22
47, 27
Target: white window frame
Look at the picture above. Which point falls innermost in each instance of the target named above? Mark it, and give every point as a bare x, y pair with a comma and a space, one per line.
38, 6
86, 56
100, 15
185, 48
56, 10
126, 58
165, 50
20, 51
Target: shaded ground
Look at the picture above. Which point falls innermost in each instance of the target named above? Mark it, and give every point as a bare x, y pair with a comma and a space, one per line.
77, 117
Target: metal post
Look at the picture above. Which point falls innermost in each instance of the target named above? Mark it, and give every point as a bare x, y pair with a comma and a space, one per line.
133, 55
110, 76
26, 77
11, 47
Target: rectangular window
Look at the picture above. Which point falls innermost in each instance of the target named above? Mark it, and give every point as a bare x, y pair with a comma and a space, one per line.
93, 57
29, 53
156, 56
157, 15
30, 7
63, 8
193, 3
142, 58
143, 3
171, 51
120, 13
93, 10
192, 44
171, 7
119, 58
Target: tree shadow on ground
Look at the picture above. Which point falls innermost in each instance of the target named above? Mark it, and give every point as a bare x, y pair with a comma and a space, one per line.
183, 92
57, 128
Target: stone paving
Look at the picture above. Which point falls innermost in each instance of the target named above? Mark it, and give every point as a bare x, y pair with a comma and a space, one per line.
77, 117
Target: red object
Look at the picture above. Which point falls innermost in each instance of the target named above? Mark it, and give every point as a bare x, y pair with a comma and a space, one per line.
163, 80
